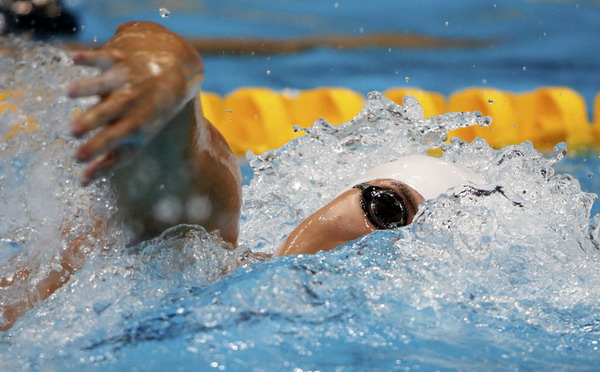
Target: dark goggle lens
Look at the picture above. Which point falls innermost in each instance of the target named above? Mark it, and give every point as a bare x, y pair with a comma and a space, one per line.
383, 207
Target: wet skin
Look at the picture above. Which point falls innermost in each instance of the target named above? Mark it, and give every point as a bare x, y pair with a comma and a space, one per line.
343, 220
149, 111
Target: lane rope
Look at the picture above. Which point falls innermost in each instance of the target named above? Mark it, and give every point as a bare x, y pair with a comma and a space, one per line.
261, 119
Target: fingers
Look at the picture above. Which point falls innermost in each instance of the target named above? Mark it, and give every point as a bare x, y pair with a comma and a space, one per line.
102, 59
107, 110
100, 165
110, 135
99, 85
107, 161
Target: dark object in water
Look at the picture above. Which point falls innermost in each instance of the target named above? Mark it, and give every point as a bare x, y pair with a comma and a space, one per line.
42, 19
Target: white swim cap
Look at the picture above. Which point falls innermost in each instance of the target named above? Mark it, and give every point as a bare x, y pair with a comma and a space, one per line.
429, 176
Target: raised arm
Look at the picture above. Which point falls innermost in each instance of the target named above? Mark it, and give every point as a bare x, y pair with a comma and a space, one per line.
176, 167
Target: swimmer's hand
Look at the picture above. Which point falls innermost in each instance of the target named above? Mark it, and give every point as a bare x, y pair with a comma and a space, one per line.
147, 75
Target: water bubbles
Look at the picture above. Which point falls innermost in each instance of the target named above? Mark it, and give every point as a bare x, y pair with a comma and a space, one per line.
198, 208
490, 101
94, 39
406, 79
446, 23
524, 68
509, 255
168, 209
268, 72
336, 5
164, 12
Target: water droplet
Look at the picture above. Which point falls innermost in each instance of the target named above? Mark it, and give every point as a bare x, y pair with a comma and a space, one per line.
406, 79
164, 12
490, 100
268, 72
590, 174
446, 23
336, 5
361, 30
484, 81
95, 39
494, 6
524, 68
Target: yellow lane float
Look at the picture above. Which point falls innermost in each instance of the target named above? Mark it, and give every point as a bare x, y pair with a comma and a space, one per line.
551, 115
336, 105
260, 119
596, 126
501, 106
545, 116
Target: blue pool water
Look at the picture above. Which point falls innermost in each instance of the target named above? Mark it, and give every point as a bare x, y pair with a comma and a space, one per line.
507, 281
554, 41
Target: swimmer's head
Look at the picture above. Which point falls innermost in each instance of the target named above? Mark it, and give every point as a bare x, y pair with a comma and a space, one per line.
428, 176
385, 197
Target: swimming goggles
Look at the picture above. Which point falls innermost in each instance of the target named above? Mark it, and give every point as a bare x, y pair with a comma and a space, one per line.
384, 208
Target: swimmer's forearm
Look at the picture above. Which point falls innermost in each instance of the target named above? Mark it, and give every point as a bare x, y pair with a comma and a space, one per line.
216, 175
14, 305
196, 170
13, 310
183, 172
189, 169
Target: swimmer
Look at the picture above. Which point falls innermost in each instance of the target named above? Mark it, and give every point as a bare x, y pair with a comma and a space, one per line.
149, 121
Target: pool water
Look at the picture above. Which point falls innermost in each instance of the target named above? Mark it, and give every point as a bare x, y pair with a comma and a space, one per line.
503, 281
527, 44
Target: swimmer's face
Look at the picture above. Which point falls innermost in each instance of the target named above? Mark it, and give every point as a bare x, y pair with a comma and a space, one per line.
379, 204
